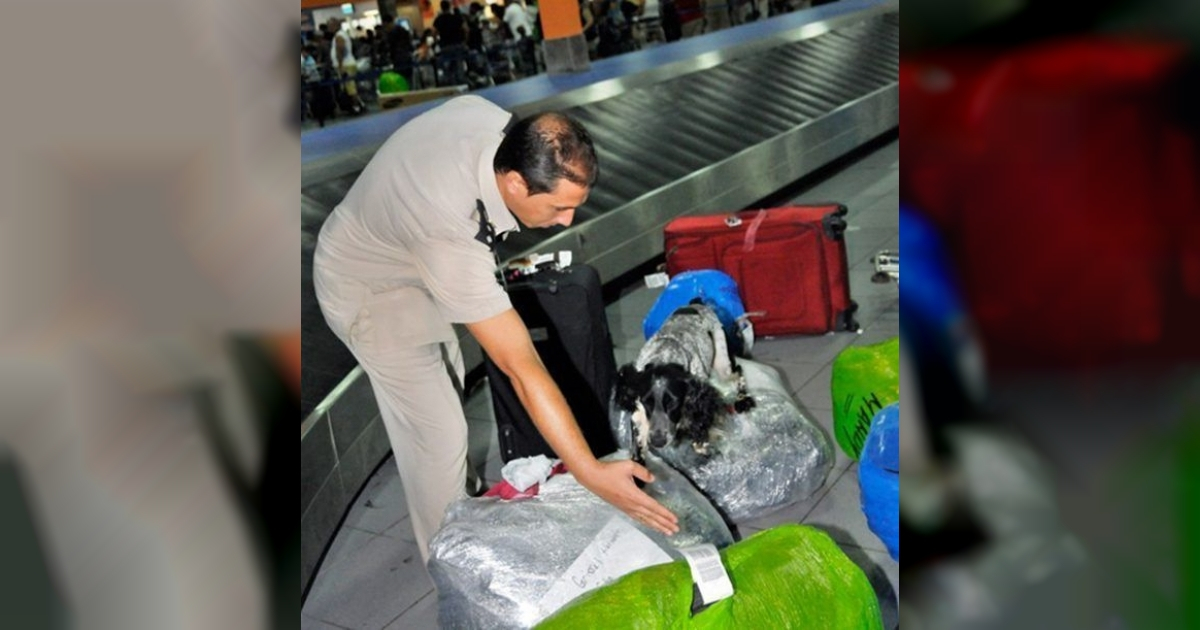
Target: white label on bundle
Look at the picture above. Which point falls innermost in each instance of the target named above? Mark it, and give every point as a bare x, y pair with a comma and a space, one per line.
618, 549
708, 573
655, 280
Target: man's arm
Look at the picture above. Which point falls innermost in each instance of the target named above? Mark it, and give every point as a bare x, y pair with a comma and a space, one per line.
507, 342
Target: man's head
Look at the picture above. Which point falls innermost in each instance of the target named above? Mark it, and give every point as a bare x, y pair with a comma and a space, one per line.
334, 25
545, 167
445, 6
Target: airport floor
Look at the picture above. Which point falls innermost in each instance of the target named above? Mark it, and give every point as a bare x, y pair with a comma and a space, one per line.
372, 577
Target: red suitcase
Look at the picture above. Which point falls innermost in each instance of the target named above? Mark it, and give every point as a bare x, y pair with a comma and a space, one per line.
789, 263
1061, 157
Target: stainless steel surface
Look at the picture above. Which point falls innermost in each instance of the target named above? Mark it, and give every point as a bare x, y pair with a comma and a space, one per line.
718, 139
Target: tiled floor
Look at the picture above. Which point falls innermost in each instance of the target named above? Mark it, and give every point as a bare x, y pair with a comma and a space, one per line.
372, 578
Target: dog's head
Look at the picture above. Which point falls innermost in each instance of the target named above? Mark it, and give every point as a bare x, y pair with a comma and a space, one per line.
678, 407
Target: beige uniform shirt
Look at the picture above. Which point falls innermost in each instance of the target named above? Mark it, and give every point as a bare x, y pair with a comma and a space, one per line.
406, 241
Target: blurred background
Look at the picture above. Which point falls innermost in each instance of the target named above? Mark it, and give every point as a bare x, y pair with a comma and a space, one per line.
1051, 224
148, 294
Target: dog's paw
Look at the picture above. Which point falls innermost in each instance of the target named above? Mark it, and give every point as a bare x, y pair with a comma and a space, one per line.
743, 404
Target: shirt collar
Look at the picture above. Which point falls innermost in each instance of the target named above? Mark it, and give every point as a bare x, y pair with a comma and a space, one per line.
498, 213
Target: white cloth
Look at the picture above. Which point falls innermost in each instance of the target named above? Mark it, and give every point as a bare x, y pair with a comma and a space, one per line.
522, 473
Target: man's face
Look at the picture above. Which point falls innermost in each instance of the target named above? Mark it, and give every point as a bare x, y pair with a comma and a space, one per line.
556, 207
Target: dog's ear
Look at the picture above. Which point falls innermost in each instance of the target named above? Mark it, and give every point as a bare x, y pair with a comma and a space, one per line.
628, 388
703, 407
744, 401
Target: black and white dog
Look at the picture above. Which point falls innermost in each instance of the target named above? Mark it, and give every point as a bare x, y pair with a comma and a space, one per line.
693, 338
683, 386
668, 406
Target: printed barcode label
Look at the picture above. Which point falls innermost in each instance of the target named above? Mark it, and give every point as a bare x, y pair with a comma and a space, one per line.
708, 573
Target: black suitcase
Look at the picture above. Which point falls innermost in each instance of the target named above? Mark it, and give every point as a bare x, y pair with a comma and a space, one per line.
564, 312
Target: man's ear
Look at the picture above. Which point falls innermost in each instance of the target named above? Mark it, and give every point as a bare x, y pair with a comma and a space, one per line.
516, 185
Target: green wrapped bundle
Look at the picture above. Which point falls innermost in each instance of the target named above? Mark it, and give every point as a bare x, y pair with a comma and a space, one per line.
392, 83
865, 380
792, 576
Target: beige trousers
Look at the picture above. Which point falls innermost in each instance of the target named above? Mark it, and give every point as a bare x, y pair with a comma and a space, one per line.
349, 78
420, 402
422, 411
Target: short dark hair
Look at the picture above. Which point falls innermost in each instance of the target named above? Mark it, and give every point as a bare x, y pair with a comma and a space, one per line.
545, 148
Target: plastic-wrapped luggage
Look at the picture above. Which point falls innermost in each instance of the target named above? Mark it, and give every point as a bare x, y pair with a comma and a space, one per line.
508, 564
791, 576
865, 380
879, 478
760, 460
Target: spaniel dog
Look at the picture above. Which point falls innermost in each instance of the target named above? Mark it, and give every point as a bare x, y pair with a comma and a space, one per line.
683, 386
691, 337
668, 407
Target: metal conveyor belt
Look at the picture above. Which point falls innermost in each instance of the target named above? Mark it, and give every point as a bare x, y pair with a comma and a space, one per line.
722, 137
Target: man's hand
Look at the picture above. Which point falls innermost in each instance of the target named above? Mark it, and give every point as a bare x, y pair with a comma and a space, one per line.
506, 340
613, 482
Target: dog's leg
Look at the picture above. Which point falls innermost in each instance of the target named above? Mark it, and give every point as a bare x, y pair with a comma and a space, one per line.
641, 433
639, 438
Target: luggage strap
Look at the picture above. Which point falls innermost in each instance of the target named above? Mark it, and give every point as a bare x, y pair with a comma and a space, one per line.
752, 231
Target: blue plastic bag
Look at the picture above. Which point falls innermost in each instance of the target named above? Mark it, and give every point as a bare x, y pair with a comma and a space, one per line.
879, 478
717, 290
937, 330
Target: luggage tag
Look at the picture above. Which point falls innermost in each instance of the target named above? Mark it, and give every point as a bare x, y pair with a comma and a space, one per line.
710, 581
657, 280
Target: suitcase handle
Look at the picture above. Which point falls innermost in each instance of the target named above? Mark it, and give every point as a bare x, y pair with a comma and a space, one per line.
752, 231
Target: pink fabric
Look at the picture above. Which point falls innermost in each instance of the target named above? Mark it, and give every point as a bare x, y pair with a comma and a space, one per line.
506, 491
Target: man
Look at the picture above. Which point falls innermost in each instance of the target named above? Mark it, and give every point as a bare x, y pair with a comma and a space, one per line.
341, 55
451, 28
409, 251
517, 19
400, 45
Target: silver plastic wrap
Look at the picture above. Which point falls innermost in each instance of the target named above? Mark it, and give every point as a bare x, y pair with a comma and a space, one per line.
764, 459
495, 561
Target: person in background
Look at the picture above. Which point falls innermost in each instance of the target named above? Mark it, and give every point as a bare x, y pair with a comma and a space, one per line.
308, 65
517, 19
400, 48
342, 59
451, 29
